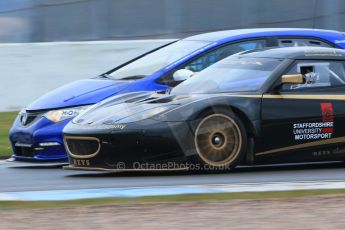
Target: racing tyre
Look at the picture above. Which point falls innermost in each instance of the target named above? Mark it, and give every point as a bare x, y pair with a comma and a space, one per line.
220, 140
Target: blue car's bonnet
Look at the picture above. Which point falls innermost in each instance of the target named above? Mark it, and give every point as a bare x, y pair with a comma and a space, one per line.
82, 92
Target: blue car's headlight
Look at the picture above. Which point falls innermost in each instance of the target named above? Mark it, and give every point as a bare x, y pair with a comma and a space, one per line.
63, 114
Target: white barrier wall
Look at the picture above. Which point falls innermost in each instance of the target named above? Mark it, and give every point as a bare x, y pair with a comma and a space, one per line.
28, 70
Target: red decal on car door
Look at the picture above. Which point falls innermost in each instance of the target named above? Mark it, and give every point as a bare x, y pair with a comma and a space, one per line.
327, 112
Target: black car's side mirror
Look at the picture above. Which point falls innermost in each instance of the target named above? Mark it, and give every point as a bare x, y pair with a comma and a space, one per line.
293, 79
289, 79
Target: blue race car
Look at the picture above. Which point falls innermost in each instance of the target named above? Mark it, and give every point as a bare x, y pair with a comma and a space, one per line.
37, 131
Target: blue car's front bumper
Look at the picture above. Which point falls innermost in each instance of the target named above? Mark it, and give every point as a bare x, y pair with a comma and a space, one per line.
39, 141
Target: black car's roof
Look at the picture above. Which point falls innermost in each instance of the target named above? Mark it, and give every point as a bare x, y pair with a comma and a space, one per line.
297, 53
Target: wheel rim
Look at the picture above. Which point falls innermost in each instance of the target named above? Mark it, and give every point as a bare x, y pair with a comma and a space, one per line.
218, 140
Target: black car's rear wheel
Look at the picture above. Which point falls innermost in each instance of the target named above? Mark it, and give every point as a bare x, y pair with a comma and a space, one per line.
220, 139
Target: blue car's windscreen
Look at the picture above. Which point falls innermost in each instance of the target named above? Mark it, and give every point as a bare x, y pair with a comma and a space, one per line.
230, 75
157, 60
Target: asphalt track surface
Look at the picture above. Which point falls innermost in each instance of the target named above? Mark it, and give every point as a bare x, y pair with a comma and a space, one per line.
19, 177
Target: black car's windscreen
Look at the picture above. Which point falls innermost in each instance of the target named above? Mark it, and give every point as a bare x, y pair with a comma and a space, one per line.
157, 60
230, 75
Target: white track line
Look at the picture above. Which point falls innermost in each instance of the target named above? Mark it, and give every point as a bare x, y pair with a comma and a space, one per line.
57, 195
6, 197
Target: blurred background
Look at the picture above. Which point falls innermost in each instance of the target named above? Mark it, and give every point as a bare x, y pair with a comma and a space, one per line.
47, 43
76, 20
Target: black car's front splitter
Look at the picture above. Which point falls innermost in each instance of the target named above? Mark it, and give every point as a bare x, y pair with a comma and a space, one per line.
69, 167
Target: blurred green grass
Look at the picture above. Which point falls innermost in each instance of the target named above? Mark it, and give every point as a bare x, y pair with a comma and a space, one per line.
6, 120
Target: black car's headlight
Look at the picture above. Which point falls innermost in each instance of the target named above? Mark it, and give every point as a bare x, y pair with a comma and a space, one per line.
140, 116
153, 112
63, 114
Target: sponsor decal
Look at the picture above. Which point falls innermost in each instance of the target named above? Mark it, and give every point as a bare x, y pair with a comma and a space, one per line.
241, 62
316, 130
336, 151
119, 126
81, 162
321, 153
316, 52
327, 112
103, 126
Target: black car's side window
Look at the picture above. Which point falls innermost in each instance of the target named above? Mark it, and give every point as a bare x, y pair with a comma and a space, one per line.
317, 74
209, 58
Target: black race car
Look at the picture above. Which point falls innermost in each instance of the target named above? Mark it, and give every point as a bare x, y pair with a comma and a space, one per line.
269, 106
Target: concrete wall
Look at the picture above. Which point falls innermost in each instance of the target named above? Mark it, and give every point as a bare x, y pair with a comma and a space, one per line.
30, 70
60, 20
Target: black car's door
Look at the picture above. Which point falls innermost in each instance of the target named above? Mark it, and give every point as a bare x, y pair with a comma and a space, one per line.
306, 122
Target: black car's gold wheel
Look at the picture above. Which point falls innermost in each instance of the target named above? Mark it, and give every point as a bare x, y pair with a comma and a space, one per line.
219, 140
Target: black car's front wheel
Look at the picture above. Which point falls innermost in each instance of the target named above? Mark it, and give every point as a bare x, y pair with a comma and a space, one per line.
220, 139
